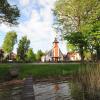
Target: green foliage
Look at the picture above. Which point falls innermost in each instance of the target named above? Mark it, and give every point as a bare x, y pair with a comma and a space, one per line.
23, 47
17, 58
87, 55
71, 47
93, 36
76, 38
8, 13
39, 55
30, 56
79, 22
9, 41
74, 13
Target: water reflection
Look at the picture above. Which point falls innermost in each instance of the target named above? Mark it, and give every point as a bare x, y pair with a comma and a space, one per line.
52, 91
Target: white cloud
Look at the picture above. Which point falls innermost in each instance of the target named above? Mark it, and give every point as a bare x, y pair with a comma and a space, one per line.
48, 3
36, 30
4, 28
24, 2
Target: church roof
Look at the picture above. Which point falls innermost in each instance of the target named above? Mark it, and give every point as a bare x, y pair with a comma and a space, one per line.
50, 53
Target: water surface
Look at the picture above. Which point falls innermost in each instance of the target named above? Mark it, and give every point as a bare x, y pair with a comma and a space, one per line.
42, 91
52, 91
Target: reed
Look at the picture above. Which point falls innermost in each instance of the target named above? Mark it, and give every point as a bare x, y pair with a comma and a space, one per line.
88, 81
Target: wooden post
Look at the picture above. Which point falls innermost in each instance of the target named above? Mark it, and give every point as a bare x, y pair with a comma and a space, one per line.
28, 91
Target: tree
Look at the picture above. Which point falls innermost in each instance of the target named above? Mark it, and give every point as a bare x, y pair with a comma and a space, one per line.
71, 47
9, 41
31, 57
1, 55
8, 13
39, 55
72, 15
79, 41
93, 31
23, 47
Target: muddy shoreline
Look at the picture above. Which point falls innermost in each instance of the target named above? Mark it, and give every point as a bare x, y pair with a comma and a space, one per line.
36, 80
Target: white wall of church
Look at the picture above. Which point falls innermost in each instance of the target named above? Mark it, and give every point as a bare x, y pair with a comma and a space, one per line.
46, 58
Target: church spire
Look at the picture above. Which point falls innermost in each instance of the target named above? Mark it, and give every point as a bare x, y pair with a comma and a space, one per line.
55, 41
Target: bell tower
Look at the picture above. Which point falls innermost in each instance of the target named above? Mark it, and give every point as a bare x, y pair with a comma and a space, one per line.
55, 51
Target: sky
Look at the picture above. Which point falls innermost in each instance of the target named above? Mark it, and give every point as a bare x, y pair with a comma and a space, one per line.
36, 22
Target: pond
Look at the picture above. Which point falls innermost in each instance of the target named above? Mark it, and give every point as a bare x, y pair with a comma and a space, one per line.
52, 91
42, 91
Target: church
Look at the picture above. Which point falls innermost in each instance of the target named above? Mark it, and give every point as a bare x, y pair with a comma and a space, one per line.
54, 55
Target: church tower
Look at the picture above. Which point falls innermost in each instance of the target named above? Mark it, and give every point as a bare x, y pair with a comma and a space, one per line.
54, 55
55, 51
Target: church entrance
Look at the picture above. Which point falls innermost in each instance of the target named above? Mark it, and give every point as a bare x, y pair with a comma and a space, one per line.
55, 59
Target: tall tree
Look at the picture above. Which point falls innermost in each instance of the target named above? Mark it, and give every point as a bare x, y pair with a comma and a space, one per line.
39, 55
8, 13
31, 57
72, 15
23, 47
9, 41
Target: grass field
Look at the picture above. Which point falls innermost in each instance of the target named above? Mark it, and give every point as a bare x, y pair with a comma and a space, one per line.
40, 70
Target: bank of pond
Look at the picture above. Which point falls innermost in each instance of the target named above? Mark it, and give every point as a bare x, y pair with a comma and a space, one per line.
36, 70
84, 83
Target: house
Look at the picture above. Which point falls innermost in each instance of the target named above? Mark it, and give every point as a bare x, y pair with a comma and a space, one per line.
73, 56
11, 56
54, 55
7, 56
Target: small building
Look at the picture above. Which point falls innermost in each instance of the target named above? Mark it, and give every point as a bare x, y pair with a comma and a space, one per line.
54, 55
73, 56
10, 57
7, 56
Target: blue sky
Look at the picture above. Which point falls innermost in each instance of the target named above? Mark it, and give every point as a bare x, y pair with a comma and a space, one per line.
36, 23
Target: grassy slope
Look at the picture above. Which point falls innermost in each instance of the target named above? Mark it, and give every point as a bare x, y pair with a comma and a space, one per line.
4, 69
46, 70
40, 70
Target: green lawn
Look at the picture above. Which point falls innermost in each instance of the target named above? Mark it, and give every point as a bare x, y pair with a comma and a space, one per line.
40, 70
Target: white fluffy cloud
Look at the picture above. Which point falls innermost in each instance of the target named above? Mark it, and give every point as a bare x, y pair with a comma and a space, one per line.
39, 30
24, 2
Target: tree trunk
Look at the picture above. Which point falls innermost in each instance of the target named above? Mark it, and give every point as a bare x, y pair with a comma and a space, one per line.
82, 53
98, 53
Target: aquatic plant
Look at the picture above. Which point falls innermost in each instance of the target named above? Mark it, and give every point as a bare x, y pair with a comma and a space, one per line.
87, 82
